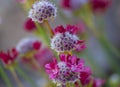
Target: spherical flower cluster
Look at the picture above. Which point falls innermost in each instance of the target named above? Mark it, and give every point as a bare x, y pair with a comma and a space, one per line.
42, 10
73, 4
28, 44
65, 39
68, 70
8, 57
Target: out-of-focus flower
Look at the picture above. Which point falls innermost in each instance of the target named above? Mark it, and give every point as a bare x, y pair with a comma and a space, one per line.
114, 80
72, 4
99, 6
81, 28
28, 45
8, 57
68, 70
84, 75
42, 10
21, 1
44, 56
65, 39
29, 25
98, 82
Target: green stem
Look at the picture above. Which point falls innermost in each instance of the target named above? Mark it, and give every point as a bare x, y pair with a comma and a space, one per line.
4, 76
25, 76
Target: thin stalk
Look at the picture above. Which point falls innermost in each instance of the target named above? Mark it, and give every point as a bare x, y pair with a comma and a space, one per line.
49, 28
16, 77
5, 78
25, 76
40, 69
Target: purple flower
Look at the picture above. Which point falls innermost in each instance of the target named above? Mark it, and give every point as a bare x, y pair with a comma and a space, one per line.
65, 39
68, 70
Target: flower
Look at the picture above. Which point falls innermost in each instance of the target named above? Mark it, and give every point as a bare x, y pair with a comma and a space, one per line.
8, 57
72, 4
28, 44
98, 82
100, 5
65, 39
21, 1
29, 25
44, 56
68, 70
42, 10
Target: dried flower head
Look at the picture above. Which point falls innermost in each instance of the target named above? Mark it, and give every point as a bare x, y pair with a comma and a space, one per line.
42, 10
65, 39
8, 57
68, 70
28, 44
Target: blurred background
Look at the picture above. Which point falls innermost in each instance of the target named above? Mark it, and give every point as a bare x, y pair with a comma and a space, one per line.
12, 18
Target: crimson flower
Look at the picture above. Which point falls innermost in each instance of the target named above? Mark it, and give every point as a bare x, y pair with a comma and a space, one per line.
72, 4
9, 56
100, 5
29, 25
69, 70
65, 39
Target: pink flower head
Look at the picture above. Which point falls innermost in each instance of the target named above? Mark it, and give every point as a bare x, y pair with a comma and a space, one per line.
29, 25
9, 57
28, 44
100, 5
44, 56
65, 39
67, 70
85, 74
72, 4
98, 82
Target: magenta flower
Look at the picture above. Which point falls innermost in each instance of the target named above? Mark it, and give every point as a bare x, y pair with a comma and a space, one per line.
44, 56
29, 25
72, 4
21, 1
65, 39
28, 45
68, 70
99, 6
98, 82
8, 57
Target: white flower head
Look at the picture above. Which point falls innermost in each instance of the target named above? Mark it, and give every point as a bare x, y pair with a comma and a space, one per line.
42, 10
62, 42
26, 45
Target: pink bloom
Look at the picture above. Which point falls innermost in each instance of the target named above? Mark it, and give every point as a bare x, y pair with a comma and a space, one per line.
81, 28
8, 57
72, 4
29, 25
28, 45
44, 56
69, 69
98, 82
65, 39
85, 74
21, 1
100, 5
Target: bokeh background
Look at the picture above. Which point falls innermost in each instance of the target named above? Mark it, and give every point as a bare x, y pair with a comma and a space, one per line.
12, 17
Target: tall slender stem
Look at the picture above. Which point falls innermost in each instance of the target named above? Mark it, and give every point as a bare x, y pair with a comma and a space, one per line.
16, 77
49, 28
